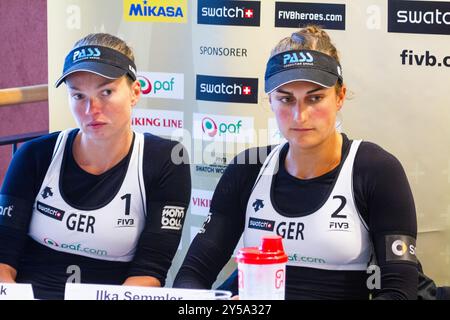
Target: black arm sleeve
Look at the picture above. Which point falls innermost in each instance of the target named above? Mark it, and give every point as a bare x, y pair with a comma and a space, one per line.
390, 212
20, 187
168, 187
214, 244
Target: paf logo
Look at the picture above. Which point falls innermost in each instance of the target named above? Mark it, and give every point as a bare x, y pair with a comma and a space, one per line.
174, 11
162, 85
209, 126
223, 128
51, 242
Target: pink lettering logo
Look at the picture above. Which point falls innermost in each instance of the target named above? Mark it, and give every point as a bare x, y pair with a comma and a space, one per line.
279, 278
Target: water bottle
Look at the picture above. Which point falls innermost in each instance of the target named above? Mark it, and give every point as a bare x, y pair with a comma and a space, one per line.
262, 271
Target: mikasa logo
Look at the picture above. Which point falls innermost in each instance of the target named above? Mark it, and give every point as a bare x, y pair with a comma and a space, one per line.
143, 10
172, 11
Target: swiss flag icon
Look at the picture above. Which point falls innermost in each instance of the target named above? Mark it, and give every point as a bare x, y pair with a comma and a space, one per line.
248, 13
247, 90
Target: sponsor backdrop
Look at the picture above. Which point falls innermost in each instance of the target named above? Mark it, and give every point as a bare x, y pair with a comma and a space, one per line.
201, 65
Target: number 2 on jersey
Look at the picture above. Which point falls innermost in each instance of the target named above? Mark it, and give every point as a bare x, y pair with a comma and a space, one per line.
336, 213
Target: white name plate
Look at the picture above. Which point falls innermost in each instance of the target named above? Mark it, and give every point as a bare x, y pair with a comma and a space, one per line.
78, 291
16, 291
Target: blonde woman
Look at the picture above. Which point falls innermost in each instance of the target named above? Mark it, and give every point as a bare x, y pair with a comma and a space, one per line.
100, 200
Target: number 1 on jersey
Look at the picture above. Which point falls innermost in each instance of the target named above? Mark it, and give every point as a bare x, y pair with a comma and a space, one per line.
127, 198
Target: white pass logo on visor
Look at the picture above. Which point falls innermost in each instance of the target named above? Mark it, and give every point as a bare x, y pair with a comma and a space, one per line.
297, 57
86, 53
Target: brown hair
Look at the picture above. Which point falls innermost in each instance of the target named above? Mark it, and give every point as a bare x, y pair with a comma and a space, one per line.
107, 40
311, 37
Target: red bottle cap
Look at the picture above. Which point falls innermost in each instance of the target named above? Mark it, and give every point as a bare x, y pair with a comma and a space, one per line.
269, 252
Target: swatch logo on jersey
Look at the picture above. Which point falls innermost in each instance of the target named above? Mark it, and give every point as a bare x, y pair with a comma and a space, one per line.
227, 89
161, 85
174, 11
230, 13
426, 17
223, 128
261, 224
400, 248
50, 211
298, 14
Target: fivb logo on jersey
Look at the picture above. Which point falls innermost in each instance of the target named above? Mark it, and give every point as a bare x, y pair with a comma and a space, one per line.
174, 11
227, 89
232, 13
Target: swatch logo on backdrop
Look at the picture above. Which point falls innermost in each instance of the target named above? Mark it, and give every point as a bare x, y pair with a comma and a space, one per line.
429, 17
227, 89
161, 85
174, 11
300, 14
229, 13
